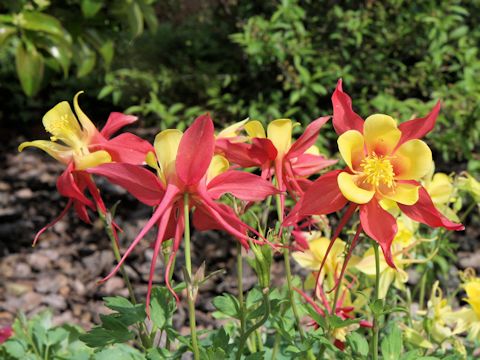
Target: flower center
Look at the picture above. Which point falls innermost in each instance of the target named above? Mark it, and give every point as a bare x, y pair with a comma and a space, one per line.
378, 170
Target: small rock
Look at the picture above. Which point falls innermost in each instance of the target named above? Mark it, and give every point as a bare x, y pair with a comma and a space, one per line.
39, 262
113, 285
55, 301
24, 194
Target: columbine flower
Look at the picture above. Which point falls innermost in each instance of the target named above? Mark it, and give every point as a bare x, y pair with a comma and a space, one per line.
185, 164
274, 152
80, 146
384, 163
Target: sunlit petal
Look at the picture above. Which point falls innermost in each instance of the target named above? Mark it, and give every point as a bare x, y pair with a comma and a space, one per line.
349, 189
218, 165
412, 160
166, 147
406, 194
280, 133
351, 146
381, 134
255, 129
58, 152
91, 160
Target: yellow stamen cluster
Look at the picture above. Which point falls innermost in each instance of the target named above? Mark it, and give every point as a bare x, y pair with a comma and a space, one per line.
378, 170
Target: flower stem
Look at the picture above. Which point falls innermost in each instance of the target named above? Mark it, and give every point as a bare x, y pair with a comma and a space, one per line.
263, 320
108, 225
240, 287
188, 265
375, 314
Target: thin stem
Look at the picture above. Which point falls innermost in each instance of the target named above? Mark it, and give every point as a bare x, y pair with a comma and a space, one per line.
263, 320
423, 284
240, 287
108, 225
188, 265
375, 316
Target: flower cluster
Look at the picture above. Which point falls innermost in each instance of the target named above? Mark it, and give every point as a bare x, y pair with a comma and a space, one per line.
388, 177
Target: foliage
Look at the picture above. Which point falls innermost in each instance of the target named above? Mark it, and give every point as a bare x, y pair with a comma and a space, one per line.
42, 35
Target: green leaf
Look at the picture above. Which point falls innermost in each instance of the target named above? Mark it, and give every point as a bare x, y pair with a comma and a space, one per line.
227, 304
37, 21
358, 343
5, 33
134, 19
158, 354
149, 15
90, 8
392, 344
15, 348
58, 49
85, 58
162, 306
119, 352
128, 313
30, 67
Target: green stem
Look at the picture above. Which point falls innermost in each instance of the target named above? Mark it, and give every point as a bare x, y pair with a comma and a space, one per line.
188, 265
276, 345
240, 287
107, 222
375, 316
263, 320
423, 284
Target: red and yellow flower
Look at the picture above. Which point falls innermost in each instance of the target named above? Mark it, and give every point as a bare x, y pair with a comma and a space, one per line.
384, 165
77, 143
185, 164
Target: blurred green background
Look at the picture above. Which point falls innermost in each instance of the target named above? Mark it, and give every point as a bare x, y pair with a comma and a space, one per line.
168, 61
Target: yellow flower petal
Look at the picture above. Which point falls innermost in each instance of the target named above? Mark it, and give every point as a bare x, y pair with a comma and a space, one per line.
255, 129
367, 263
386, 279
352, 191
232, 130
306, 259
280, 133
166, 146
440, 189
381, 134
91, 160
412, 160
62, 124
406, 194
313, 150
218, 165
58, 152
472, 289
87, 125
351, 146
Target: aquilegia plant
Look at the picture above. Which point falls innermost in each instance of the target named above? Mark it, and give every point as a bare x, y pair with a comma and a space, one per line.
229, 181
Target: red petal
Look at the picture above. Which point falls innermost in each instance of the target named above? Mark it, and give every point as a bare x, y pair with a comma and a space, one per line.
81, 211
67, 186
57, 219
309, 164
127, 148
380, 225
323, 196
166, 204
115, 122
243, 185
195, 151
424, 211
138, 181
344, 118
418, 128
307, 139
